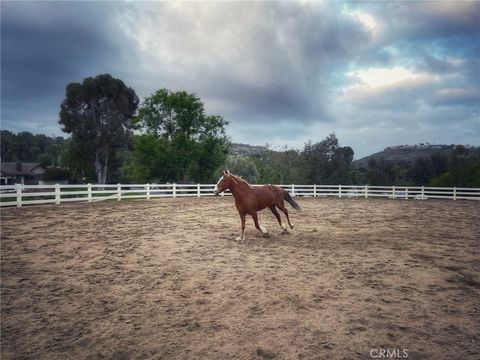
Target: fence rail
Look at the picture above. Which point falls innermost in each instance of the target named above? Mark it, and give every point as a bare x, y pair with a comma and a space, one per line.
19, 194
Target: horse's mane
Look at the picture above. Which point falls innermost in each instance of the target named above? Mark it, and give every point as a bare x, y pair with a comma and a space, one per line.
240, 179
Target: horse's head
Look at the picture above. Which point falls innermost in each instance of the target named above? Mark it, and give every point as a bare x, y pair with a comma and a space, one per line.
223, 183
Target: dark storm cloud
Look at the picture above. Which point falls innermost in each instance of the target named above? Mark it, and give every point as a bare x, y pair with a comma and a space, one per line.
280, 72
434, 65
262, 61
424, 33
421, 20
457, 98
44, 47
439, 43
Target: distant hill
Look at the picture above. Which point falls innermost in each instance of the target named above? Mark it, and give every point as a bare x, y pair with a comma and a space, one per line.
401, 153
246, 150
409, 153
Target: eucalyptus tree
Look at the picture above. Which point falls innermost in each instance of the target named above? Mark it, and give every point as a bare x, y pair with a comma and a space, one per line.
98, 113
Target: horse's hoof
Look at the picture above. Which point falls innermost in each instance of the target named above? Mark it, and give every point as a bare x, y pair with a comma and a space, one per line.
285, 231
239, 239
266, 235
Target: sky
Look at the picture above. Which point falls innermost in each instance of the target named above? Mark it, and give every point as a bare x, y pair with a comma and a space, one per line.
376, 74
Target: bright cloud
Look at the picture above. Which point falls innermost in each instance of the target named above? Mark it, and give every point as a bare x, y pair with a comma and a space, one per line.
366, 19
376, 77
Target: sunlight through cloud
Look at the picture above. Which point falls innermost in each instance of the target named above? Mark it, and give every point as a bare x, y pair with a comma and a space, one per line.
376, 77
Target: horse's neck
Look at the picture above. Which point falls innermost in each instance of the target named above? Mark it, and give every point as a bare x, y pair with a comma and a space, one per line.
238, 186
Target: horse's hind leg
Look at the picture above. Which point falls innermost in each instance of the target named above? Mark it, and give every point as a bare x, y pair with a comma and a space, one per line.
277, 215
262, 229
285, 211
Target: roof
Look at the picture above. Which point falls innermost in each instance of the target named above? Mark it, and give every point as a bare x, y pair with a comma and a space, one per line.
10, 168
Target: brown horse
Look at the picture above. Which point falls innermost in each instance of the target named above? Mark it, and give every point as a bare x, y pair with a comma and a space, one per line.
249, 200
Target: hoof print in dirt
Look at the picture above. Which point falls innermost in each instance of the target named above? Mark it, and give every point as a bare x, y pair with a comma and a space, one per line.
190, 325
266, 354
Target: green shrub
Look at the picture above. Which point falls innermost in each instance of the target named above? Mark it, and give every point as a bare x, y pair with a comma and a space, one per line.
57, 174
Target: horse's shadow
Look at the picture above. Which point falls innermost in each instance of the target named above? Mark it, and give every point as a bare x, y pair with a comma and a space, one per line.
297, 239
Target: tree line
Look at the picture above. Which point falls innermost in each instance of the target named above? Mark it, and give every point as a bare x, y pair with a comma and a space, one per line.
325, 162
26, 147
168, 137
328, 163
461, 168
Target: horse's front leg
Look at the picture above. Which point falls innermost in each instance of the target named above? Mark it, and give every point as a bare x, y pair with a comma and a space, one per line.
255, 220
242, 219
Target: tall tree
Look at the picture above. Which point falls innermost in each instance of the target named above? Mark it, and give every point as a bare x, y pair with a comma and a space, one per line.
329, 163
288, 166
181, 143
97, 113
439, 163
421, 171
243, 166
7, 146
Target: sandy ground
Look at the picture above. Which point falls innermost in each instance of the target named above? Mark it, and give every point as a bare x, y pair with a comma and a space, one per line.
164, 279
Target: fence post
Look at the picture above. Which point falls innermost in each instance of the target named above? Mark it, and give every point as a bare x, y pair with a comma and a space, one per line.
148, 191
423, 192
406, 193
393, 192
293, 189
366, 191
314, 190
57, 194
454, 193
89, 192
119, 192
19, 194
174, 190
198, 190
339, 191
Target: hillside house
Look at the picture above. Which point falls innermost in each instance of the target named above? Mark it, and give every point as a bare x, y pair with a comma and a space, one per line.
23, 173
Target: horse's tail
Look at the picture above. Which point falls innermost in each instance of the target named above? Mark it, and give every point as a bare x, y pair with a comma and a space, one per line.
289, 199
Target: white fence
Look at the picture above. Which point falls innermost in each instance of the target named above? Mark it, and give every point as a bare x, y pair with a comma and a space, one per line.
18, 195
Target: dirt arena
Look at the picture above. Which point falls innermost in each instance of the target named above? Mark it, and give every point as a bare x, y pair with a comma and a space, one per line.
165, 279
